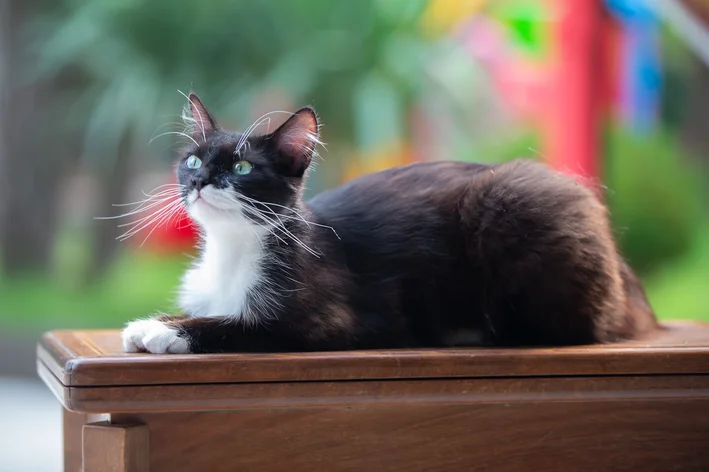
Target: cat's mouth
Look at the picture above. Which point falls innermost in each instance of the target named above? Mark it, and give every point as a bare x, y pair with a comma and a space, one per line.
207, 198
201, 200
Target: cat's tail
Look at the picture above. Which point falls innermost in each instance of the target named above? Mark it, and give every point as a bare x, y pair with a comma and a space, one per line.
548, 259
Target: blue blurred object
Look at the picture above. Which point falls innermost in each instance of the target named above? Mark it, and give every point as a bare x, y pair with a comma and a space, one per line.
641, 68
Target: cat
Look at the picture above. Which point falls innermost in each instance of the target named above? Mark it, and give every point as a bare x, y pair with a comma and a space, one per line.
430, 254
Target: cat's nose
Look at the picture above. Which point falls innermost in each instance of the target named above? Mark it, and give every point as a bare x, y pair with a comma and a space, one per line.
198, 182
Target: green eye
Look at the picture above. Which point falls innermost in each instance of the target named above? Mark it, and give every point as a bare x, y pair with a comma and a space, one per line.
193, 162
242, 167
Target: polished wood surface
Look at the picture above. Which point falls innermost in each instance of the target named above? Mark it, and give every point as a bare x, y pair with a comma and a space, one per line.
94, 358
591, 436
640, 405
72, 429
382, 393
115, 448
72, 433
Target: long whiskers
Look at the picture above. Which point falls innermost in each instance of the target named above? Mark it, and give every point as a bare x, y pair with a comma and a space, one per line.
250, 206
297, 216
171, 210
279, 226
199, 115
271, 225
162, 204
258, 122
185, 128
245, 136
179, 133
156, 217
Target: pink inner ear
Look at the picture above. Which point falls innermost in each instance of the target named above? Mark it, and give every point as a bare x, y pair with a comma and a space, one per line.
299, 135
203, 122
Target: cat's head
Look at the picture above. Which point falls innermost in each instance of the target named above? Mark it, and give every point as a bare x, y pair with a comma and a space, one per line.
226, 175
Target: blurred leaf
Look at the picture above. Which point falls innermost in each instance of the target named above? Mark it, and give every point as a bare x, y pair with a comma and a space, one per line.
138, 53
656, 196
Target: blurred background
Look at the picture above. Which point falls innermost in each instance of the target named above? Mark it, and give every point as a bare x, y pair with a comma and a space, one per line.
613, 91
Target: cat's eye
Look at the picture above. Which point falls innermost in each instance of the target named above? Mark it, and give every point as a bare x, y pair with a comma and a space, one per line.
193, 162
242, 167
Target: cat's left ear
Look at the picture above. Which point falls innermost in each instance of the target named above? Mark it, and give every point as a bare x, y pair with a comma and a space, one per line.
295, 141
201, 120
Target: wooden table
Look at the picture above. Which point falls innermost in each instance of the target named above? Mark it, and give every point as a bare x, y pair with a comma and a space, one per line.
636, 406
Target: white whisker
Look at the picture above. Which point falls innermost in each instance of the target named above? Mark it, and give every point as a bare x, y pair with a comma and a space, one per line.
287, 232
199, 115
257, 214
165, 218
145, 222
169, 123
161, 204
251, 200
151, 202
174, 132
163, 192
164, 199
262, 119
245, 136
135, 212
297, 217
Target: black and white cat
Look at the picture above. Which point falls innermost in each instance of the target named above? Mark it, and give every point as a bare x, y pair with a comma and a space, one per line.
430, 254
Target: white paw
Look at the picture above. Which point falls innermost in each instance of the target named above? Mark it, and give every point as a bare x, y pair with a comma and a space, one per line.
153, 336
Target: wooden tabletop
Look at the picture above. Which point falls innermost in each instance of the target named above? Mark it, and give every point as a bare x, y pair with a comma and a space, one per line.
95, 358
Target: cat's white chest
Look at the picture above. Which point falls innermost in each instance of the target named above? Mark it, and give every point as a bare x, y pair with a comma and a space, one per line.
230, 268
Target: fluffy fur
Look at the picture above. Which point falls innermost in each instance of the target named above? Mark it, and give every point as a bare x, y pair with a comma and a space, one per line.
222, 282
430, 254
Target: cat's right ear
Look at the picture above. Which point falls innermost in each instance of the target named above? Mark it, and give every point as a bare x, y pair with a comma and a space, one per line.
200, 120
295, 141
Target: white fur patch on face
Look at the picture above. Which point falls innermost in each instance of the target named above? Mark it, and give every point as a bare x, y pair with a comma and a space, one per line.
153, 336
212, 205
221, 282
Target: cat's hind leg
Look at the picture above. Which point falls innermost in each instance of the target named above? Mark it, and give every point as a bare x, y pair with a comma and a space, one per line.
543, 246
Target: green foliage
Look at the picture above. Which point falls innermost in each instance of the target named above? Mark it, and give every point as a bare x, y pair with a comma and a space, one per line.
678, 290
506, 145
138, 285
655, 194
124, 60
135, 54
528, 24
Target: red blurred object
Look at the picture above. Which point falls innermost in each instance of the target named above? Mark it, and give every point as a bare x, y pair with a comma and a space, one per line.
178, 234
568, 91
573, 128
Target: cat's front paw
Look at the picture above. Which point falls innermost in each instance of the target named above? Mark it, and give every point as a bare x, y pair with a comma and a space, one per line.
153, 336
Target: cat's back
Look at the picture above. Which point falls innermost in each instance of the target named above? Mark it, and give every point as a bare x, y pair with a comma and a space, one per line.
399, 192
398, 217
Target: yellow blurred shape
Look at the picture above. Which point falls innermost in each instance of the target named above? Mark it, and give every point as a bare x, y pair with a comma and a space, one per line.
441, 16
391, 155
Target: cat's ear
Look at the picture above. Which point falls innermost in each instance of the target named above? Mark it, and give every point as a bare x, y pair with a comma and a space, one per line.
295, 141
200, 120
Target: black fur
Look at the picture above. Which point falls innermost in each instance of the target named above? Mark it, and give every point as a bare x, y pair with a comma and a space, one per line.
515, 254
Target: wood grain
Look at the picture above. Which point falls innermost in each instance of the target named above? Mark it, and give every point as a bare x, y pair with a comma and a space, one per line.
93, 358
592, 436
384, 393
115, 448
73, 424
60, 391
641, 405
